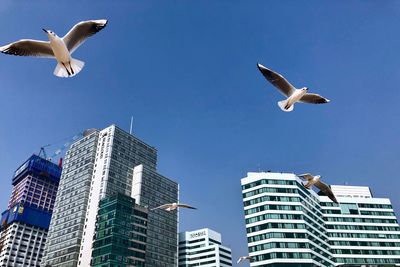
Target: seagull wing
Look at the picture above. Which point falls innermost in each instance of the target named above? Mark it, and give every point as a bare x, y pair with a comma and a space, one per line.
240, 260
165, 206
277, 80
306, 176
326, 190
81, 31
28, 47
314, 99
186, 206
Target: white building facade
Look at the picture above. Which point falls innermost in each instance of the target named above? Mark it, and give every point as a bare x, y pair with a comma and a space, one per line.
23, 245
203, 247
288, 225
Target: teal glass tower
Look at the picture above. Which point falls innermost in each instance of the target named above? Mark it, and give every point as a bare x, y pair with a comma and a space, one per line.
121, 230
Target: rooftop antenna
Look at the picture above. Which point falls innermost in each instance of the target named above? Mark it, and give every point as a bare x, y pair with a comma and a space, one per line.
130, 129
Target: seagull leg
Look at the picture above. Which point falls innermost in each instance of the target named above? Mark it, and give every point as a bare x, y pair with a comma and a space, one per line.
69, 74
72, 70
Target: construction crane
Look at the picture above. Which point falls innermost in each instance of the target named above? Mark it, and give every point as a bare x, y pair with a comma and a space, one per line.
69, 140
42, 152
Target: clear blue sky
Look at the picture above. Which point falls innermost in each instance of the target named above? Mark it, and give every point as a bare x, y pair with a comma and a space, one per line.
186, 71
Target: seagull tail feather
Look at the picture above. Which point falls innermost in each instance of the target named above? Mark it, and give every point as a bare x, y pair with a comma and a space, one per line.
69, 69
283, 105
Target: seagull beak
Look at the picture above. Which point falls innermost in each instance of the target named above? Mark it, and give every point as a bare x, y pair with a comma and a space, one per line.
45, 30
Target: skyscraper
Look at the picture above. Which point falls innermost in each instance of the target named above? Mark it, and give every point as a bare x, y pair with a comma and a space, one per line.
288, 225
152, 189
203, 247
99, 165
68, 220
25, 223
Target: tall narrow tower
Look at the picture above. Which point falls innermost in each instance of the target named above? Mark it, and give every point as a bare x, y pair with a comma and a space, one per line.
25, 223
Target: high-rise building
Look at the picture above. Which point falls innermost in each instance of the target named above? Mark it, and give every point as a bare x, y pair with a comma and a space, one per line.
121, 228
68, 220
203, 247
25, 223
100, 165
152, 190
288, 225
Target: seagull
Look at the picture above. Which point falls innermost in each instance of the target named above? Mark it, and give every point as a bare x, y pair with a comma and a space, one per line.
173, 206
293, 94
243, 258
315, 180
59, 48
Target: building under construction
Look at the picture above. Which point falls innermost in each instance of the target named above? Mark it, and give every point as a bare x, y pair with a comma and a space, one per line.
25, 223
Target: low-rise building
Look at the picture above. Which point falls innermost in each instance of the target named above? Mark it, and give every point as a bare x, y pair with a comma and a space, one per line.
203, 247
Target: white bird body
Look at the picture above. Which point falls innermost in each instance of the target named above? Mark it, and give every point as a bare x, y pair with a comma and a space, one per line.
288, 104
243, 258
66, 65
173, 206
293, 94
58, 48
316, 181
312, 182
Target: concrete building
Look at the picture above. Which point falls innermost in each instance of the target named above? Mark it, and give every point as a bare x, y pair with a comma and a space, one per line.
203, 247
25, 223
288, 225
100, 165
152, 190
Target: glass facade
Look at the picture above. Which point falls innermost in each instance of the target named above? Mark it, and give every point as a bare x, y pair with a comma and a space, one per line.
120, 233
288, 224
68, 220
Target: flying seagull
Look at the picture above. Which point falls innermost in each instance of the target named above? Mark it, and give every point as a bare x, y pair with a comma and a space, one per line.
59, 48
243, 258
293, 94
173, 206
315, 180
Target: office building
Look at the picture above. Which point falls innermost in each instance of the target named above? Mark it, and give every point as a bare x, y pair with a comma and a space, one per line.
152, 190
203, 247
25, 223
100, 165
288, 225
68, 220
121, 228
